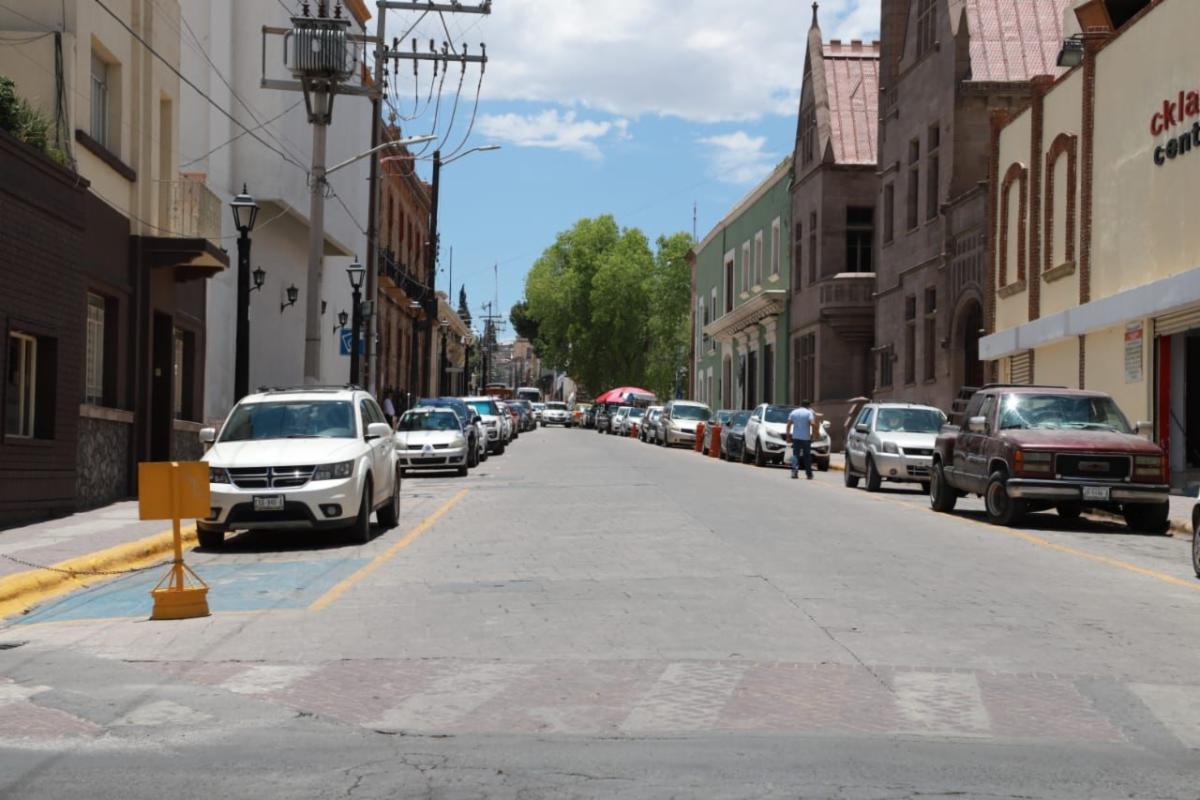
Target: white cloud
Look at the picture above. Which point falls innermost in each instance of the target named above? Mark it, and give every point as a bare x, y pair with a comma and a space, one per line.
552, 130
738, 157
699, 60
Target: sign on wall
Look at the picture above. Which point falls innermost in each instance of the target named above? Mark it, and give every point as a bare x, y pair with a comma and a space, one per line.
1133, 352
344, 346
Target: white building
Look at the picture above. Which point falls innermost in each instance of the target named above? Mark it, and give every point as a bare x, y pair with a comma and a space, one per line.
221, 52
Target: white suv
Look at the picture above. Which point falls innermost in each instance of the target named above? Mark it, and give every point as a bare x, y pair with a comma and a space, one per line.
309, 457
495, 422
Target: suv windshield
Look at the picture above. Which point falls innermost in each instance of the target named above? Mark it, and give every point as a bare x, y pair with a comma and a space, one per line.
556, 406
691, 412
426, 420
294, 419
778, 413
910, 420
739, 419
1058, 411
636, 412
485, 408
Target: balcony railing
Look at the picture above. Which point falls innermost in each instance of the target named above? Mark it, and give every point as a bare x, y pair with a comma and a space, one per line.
195, 211
848, 290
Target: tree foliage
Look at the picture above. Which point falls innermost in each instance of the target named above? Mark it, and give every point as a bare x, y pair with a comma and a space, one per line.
19, 118
525, 326
608, 311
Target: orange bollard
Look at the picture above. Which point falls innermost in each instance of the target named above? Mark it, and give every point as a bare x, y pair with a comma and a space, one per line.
633, 431
714, 444
699, 443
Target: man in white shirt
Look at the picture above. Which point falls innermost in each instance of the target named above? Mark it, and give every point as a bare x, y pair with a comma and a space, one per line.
800, 425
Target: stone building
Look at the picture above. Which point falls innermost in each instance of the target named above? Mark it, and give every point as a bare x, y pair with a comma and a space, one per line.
833, 194
944, 65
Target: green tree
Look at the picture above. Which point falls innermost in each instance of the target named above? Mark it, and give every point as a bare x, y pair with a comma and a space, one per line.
525, 325
670, 291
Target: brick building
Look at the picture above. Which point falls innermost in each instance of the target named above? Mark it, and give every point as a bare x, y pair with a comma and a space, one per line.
833, 193
944, 65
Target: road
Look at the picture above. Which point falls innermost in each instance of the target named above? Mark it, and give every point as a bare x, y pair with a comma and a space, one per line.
590, 617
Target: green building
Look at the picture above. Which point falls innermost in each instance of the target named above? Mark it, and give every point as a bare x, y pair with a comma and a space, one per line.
740, 292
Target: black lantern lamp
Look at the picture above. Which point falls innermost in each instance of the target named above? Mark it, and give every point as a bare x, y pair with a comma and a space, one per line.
245, 211
292, 294
356, 272
342, 318
260, 277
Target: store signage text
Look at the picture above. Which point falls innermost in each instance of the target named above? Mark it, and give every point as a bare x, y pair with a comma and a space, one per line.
1176, 112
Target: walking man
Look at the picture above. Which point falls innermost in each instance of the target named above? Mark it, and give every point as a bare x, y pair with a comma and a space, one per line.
800, 425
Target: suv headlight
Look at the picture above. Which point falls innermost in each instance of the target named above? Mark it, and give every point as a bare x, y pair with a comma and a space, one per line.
328, 472
891, 447
1031, 462
218, 475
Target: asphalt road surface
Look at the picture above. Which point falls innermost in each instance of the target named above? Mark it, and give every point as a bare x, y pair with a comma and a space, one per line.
592, 617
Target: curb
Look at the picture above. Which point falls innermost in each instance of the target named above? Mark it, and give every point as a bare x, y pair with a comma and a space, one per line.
21, 591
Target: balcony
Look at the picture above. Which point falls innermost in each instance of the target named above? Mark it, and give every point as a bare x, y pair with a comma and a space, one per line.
847, 304
195, 212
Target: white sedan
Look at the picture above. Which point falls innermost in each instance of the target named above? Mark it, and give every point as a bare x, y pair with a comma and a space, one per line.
431, 438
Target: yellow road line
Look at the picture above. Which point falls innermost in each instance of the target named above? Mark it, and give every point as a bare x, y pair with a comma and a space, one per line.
23, 590
344, 585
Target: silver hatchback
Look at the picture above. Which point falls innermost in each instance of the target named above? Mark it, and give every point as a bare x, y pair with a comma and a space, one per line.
892, 442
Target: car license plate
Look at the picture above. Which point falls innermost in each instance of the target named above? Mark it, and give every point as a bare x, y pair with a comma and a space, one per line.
268, 502
1096, 493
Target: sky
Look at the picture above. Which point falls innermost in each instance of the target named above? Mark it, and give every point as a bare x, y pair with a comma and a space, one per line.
644, 109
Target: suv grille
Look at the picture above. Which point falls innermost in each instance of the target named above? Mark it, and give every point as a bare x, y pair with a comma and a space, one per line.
918, 451
1104, 468
271, 477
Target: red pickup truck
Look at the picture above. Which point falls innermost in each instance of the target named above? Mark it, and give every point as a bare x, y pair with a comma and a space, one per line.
1032, 448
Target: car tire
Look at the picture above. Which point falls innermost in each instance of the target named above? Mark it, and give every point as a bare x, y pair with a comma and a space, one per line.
389, 513
759, 459
874, 479
1196, 540
942, 497
360, 529
472, 455
1069, 511
500, 449
462, 472
210, 540
848, 476
745, 453
1153, 519
1002, 509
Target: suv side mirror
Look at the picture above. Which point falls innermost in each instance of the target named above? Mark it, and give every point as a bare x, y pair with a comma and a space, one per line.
862, 428
209, 435
378, 430
1142, 428
977, 425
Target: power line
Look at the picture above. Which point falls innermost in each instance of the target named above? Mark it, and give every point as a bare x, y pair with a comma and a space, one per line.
28, 18
240, 135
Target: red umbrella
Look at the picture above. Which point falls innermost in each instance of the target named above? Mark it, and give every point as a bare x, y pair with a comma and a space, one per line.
626, 394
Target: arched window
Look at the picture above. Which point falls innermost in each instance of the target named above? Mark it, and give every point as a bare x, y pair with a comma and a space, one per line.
1014, 212
1061, 191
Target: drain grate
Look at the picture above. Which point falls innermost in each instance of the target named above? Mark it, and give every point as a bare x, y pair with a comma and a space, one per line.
10, 645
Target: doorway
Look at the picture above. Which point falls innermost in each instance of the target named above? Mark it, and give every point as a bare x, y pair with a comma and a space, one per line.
967, 335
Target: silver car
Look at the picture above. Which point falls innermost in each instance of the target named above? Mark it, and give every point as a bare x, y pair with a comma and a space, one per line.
892, 442
678, 422
648, 430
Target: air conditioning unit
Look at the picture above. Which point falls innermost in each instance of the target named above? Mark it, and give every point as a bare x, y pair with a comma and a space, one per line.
320, 49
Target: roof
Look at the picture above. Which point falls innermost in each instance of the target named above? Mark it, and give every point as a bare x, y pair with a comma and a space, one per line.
852, 83
781, 171
1012, 40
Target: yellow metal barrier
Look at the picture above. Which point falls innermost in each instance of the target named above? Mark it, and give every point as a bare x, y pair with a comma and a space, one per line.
171, 490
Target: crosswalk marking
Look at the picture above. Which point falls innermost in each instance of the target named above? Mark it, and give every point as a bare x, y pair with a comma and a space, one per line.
265, 678
1176, 707
451, 696
941, 703
688, 696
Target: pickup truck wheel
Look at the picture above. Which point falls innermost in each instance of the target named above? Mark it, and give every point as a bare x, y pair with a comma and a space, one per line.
1002, 509
874, 480
848, 476
1154, 519
941, 496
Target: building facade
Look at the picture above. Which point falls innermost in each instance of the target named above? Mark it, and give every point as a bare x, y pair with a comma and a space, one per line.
1100, 288
944, 66
833, 194
741, 272
117, 355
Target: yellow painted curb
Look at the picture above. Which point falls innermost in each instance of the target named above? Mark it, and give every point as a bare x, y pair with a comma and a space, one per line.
25, 589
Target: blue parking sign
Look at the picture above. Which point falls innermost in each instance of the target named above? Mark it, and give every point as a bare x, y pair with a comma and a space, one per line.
344, 347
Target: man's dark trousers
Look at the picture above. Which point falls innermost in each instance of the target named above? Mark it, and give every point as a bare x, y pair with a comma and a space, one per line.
802, 448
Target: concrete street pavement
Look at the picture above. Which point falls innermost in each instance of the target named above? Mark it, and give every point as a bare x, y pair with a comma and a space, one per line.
589, 616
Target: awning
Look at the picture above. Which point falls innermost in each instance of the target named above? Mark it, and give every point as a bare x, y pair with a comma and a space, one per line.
189, 259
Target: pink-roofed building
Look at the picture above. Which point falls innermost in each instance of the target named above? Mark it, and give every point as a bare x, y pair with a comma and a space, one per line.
834, 190
944, 64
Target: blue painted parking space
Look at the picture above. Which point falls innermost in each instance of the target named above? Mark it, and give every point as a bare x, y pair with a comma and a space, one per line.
232, 587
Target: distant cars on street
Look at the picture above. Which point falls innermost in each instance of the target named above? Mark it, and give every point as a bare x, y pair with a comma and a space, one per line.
648, 430
431, 438
555, 413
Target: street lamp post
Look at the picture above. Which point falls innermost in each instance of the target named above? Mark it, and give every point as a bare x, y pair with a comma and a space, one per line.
245, 212
445, 325
355, 272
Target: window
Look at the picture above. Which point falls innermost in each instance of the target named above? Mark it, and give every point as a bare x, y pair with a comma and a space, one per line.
932, 201
752, 378
806, 367
887, 357
798, 258
926, 26
889, 212
746, 267
704, 320
860, 235
914, 182
910, 339
758, 259
768, 371
19, 412
93, 383
775, 254
712, 314
930, 333
808, 134
812, 247
729, 270
101, 102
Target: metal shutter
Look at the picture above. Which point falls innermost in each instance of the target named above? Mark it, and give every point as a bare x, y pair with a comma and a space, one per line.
1020, 368
1177, 321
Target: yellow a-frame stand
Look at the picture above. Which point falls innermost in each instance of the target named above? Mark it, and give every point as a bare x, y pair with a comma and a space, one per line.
171, 490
